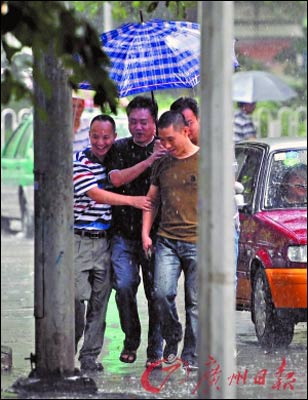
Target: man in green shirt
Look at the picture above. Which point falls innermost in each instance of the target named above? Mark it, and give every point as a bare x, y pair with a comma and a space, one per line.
174, 189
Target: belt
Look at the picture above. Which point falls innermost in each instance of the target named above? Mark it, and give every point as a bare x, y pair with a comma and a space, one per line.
91, 234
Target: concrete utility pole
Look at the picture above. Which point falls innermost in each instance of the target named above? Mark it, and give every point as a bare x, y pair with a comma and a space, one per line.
54, 273
108, 24
216, 181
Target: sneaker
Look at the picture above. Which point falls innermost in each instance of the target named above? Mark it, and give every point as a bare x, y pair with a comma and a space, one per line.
170, 352
91, 366
190, 365
154, 363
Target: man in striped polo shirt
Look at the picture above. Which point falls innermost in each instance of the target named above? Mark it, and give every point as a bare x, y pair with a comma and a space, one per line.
243, 126
92, 219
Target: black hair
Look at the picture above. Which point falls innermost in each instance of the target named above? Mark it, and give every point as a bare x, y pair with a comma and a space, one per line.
105, 118
143, 102
183, 103
172, 117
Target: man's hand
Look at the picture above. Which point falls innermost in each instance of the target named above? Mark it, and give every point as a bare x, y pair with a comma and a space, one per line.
147, 245
158, 151
142, 202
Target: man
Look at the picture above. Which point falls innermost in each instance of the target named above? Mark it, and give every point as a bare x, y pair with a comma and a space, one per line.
243, 126
80, 126
136, 153
174, 189
189, 108
92, 220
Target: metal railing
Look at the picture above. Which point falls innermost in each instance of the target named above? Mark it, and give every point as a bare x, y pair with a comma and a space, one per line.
285, 122
10, 119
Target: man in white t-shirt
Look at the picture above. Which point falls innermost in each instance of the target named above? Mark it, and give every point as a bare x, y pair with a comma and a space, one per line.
80, 126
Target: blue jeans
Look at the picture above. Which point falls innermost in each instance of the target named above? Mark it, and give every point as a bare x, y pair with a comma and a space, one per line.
172, 257
127, 257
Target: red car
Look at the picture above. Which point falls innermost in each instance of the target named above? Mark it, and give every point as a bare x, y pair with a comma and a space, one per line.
272, 261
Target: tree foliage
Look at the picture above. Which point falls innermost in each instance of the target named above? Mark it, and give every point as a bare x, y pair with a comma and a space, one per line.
129, 10
35, 24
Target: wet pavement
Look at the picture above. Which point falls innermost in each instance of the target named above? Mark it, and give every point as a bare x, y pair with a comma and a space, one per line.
281, 374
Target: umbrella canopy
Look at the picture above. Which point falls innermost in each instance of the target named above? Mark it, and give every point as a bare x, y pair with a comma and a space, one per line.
153, 55
253, 86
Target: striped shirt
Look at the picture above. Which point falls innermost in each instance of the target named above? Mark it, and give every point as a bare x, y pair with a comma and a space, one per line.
243, 127
88, 173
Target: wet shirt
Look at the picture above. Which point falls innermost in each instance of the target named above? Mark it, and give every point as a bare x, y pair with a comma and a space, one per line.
88, 173
177, 180
127, 221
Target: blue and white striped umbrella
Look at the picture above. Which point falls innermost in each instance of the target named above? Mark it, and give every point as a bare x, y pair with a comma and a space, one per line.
153, 55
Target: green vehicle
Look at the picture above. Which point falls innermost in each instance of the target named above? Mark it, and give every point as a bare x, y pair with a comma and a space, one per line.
17, 177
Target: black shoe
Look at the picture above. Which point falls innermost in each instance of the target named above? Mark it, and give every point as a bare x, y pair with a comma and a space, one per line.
91, 366
170, 352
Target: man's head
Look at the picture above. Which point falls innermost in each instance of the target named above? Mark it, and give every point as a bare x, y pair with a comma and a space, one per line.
173, 133
78, 107
248, 108
294, 184
142, 118
102, 135
189, 108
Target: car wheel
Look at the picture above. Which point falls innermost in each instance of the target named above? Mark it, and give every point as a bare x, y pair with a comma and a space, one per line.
270, 330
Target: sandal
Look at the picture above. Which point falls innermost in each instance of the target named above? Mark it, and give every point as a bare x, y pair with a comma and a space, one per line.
128, 356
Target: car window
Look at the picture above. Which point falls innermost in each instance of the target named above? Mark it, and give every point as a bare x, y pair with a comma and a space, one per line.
249, 161
287, 182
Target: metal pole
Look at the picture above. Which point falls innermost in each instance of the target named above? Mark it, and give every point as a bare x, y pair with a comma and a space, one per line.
108, 22
216, 232
54, 273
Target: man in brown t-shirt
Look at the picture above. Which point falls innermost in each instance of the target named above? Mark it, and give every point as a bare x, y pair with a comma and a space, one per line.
174, 189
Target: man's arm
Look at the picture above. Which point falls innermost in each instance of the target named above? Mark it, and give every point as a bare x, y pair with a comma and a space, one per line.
122, 177
114, 199
148, 217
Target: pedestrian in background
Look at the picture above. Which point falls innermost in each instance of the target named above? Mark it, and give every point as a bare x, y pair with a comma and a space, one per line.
243, 126
137, 153
174, 187
92, 221
80, 125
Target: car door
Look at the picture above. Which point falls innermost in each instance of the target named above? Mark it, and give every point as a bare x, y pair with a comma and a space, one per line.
249, 159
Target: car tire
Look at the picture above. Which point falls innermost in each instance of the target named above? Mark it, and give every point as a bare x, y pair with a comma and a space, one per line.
271, 331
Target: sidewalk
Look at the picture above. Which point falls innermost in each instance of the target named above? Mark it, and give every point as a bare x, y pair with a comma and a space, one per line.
257, 374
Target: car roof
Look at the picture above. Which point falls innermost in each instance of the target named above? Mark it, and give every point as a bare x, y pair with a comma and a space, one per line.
279, 143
